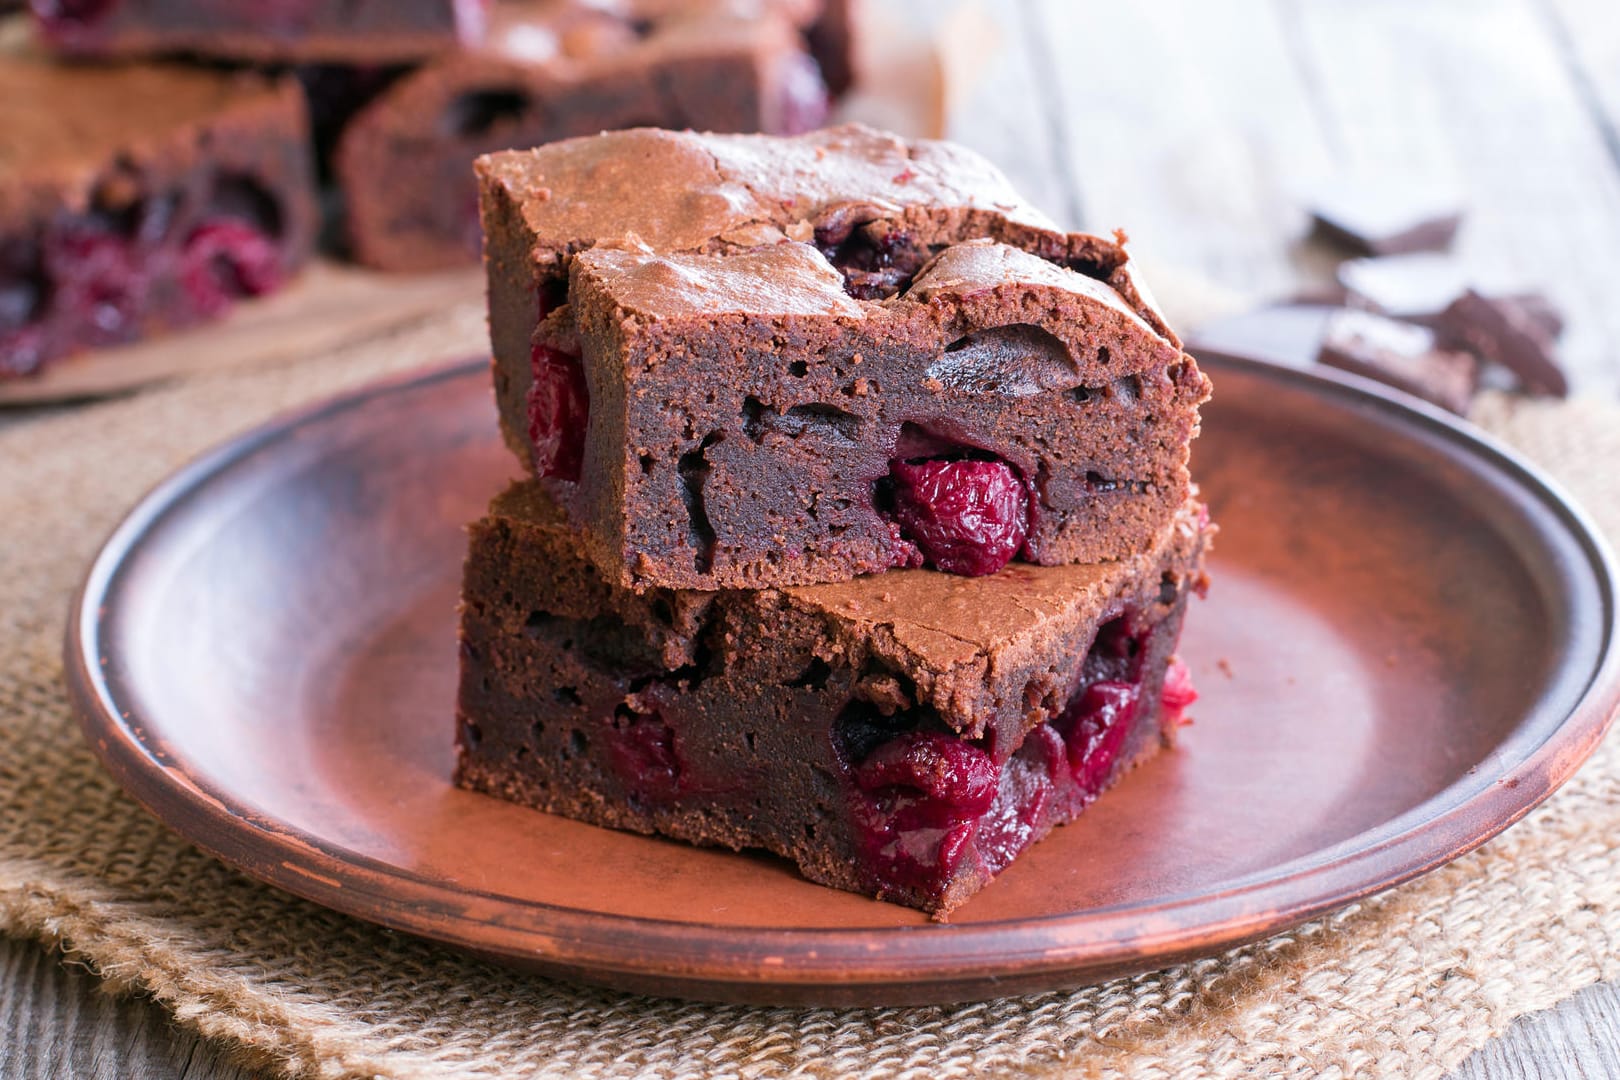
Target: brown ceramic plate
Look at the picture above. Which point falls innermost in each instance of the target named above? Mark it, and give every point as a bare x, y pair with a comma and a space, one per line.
1408, 645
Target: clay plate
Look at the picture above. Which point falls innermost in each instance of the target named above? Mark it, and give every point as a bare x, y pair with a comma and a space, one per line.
1408, 645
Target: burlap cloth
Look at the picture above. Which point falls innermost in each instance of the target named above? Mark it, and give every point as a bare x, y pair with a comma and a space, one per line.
1406, 984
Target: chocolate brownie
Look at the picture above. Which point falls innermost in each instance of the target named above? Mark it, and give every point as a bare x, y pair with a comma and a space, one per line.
755, 411
904, 736
353, 32
552, 71
139, 198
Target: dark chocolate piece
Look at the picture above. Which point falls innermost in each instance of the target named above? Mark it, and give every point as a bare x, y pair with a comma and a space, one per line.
139, 198
1401, 355
1513, 332
904, 736
1383, 218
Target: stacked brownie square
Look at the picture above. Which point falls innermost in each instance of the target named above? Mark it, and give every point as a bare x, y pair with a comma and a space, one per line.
858, 527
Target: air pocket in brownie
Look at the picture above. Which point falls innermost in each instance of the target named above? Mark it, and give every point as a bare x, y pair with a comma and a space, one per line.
905, 736
134, 199
550, 72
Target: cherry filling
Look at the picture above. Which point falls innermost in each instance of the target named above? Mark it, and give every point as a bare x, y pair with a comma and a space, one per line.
1093, 729
1179, 693
224, 259
965, 516
876, 259
641, 749
927, 804
559, 408
559, 402
921, 795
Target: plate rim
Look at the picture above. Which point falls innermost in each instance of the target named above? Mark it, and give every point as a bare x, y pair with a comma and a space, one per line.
1066, 949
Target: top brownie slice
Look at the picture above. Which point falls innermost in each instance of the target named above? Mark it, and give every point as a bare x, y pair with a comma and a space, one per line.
793, 360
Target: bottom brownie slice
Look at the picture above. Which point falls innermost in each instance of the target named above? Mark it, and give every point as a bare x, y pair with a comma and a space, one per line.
904, 735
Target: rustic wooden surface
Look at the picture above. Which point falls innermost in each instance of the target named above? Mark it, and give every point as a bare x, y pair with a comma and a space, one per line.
1200, 126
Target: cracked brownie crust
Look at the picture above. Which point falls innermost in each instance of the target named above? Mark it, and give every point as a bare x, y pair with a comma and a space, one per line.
727, 358
905, 736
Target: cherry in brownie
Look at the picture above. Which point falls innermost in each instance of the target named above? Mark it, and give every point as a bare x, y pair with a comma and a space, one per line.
551, 71
352, 32
904, 736
820, 377
748, 423
135, 199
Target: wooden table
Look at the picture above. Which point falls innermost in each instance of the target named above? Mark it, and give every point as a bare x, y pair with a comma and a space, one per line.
1200, 126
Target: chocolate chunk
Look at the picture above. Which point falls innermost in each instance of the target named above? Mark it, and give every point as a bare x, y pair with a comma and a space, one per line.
1374, 218
1516, 332
1401, 355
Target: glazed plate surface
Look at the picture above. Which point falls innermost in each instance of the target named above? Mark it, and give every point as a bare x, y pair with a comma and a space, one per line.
1408, 644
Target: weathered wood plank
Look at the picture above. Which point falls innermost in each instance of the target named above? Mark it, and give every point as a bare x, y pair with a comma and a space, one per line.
1189, 125
1578, 1040
1477, 94
1009, 112
1587, 32
55, 1023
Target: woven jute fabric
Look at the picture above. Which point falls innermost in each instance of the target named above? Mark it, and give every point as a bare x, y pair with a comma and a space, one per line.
1405, 984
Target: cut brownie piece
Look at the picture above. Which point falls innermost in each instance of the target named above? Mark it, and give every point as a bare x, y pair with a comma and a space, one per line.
550, 72
1401, 355
747, 423
904, 736
135, 198
356, 31
801, 335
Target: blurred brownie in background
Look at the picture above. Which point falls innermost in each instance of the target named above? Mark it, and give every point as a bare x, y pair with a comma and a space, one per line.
549, 71
134, 199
